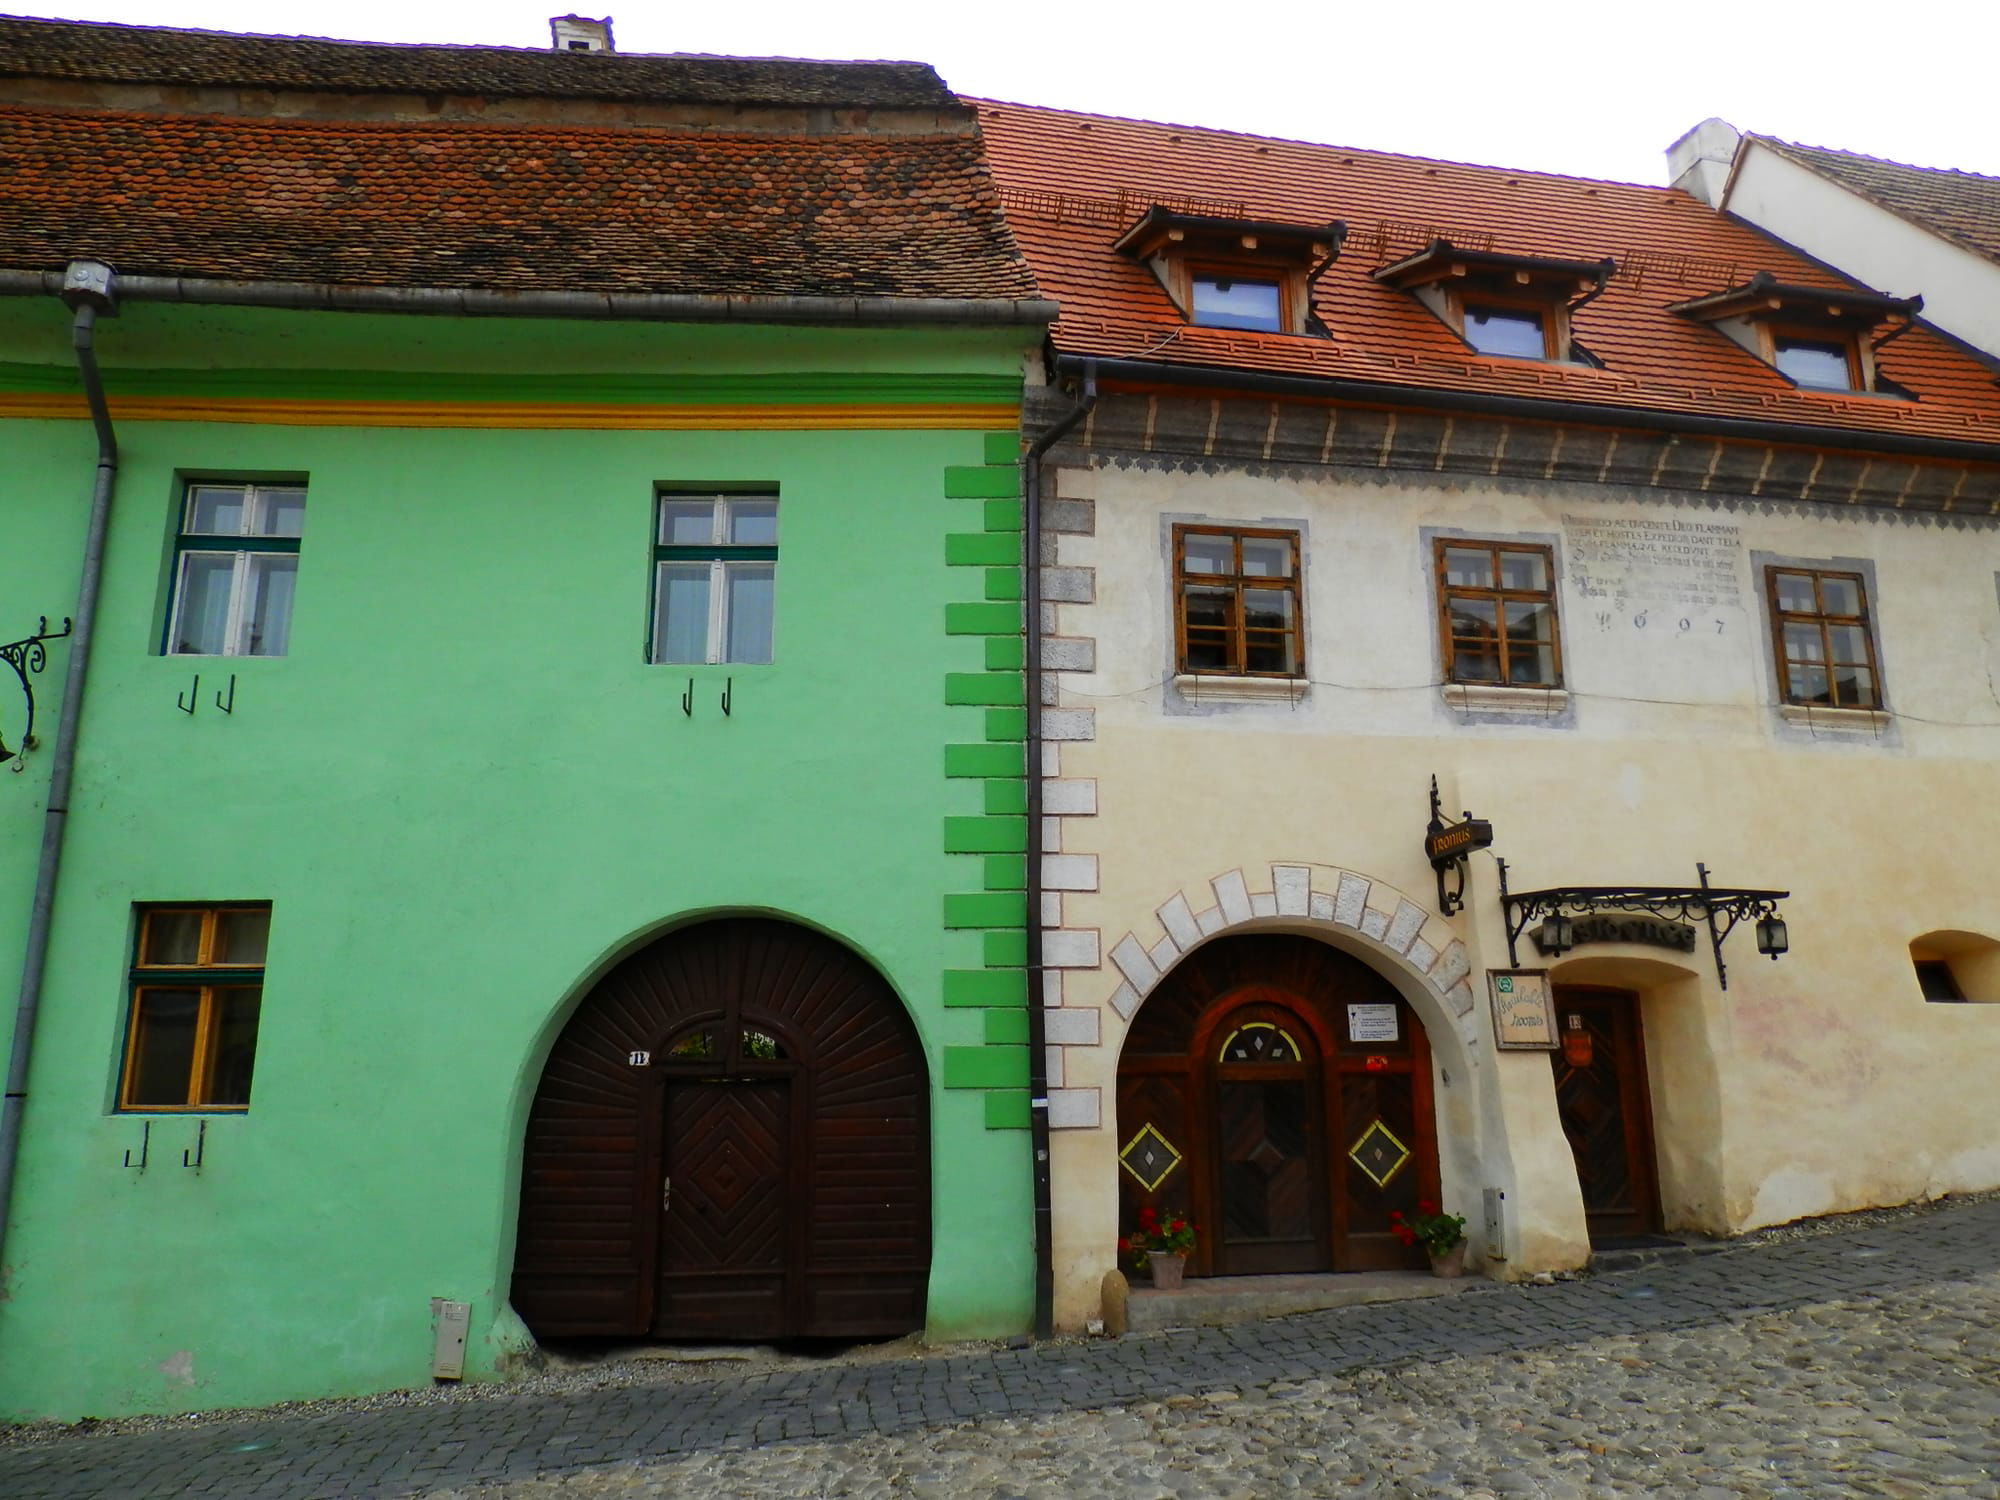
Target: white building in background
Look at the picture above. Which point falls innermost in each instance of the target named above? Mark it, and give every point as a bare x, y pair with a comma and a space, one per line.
1903, 230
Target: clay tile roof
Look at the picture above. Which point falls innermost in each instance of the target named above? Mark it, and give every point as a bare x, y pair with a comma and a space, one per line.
510, 207
93, 52
1960, 206
1072, 183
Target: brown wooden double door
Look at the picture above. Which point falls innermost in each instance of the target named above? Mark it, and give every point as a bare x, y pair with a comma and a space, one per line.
1606, 1109
1277, 1091
731, 1140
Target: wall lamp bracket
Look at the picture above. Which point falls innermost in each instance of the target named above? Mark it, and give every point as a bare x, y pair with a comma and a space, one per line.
1448, 847
28, 657
1720, 908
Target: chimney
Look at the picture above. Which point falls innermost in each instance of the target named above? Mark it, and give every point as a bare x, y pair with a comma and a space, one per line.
581, 34
1699, 161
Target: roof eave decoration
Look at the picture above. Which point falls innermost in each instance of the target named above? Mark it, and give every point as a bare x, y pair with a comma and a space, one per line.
1161, 229
1549, 275
1763, 296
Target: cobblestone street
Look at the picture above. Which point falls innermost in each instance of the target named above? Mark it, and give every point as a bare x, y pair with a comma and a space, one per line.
1861, 1362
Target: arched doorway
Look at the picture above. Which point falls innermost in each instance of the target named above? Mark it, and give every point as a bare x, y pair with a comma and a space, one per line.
1278, 1092
731, 1140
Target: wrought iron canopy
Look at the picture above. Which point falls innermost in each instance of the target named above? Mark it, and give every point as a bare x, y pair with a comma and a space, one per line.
27, 657
1720, 907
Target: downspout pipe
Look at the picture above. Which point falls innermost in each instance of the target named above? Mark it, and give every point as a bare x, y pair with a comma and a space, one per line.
88, 289
1038, 1057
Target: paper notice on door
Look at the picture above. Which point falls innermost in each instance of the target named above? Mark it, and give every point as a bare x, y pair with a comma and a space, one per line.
1372, 1023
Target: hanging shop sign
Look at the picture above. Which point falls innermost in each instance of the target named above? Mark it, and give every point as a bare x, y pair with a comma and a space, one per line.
1524, 1012
1653, 931
1446, 846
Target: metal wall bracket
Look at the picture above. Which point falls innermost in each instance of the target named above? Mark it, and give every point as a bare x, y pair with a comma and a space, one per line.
194, 1157
145, 1147
1719, 907
28, 657
230, 706
728, 694
189, 701
687, 699
1448, 846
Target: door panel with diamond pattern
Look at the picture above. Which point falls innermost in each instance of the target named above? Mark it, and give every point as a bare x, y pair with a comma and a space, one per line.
1605, 1111
1243, 1103
723, 1210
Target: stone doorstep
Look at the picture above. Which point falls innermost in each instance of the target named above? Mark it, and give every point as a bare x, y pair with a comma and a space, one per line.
1665, 1249
1208, 1300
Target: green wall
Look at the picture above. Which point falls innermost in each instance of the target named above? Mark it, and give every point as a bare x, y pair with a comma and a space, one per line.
466, 793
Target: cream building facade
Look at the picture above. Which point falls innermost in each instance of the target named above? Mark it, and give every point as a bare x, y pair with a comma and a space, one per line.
1819, 1082
1234, 870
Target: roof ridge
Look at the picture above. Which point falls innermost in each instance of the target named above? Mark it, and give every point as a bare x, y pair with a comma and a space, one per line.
456, 128
978, 102
598, 58
1880, 161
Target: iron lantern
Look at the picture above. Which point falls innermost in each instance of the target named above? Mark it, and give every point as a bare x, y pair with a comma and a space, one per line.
1558, 934
1772, 939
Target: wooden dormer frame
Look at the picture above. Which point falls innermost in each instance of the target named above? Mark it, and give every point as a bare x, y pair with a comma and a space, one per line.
1447, 280
1181, 248
1763, 310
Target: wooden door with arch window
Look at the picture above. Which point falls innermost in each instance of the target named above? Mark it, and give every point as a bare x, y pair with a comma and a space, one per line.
1277, 1091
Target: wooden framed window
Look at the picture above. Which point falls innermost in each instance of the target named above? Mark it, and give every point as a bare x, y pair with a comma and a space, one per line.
236, 565
715, 575
1819, 632
1237, 609
197, 989
1218, 299
1511, 330
1816, 361
1497, 613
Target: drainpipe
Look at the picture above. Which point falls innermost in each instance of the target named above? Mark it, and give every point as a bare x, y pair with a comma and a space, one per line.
87, 288
1038, 1057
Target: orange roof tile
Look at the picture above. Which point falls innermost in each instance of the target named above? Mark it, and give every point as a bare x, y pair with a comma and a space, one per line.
1073, 183
504, 207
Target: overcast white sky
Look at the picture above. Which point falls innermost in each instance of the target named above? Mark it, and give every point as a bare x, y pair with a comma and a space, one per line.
1590, 88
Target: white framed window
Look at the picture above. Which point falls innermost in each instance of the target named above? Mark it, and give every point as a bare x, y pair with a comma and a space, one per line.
236, 565
715, 575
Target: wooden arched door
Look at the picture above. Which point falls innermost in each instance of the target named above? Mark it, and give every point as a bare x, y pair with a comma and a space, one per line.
1277, 1091
731, 1140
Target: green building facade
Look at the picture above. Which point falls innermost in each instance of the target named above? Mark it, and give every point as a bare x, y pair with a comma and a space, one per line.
450, 739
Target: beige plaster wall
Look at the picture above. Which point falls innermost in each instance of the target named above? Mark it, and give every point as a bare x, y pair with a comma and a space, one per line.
1818, 1083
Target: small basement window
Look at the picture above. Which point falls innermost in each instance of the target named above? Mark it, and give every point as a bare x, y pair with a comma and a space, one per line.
1957, 968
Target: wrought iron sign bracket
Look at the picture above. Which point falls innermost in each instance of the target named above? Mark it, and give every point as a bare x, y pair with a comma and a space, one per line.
28, 657
1448, 845
1719, 907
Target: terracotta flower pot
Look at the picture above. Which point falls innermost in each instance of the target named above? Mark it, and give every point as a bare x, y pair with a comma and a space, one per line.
1449, 1263
1166, 1269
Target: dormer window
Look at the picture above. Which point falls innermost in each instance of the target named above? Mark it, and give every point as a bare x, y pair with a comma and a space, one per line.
1512, 332
1234, 302
1816, 364
1249, 274
1503, 306
1818, 338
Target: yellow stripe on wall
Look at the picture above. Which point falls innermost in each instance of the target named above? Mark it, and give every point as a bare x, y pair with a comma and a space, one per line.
799, 417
